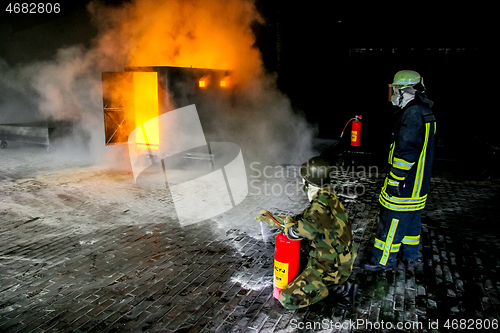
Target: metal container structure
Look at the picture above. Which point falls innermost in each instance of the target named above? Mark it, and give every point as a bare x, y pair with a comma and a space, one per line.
126, 93
32, 133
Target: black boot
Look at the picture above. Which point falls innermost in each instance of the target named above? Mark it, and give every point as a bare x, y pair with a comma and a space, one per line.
377, 267
344, 297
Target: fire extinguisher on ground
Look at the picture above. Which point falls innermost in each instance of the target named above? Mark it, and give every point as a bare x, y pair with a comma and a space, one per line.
286, 260
355, 132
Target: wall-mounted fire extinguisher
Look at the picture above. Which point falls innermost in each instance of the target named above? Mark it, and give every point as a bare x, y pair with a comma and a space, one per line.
355, 132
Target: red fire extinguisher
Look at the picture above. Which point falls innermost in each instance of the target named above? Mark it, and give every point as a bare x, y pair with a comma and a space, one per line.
355, 132
286, 262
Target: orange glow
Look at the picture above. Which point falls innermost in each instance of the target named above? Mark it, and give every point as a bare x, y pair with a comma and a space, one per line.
224, 82
203, 82
146, 109
197, 33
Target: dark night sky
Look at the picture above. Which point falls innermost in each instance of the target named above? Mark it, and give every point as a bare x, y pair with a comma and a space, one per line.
452, 47
316, 51
307, 29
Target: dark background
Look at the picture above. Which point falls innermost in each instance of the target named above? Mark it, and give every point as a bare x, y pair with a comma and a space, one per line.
335, 59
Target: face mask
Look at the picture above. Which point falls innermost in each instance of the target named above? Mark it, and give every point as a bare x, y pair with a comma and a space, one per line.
311, 191
407, 98
395, 97
401, 98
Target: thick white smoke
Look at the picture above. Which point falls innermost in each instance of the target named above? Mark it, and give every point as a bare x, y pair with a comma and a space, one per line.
159, 33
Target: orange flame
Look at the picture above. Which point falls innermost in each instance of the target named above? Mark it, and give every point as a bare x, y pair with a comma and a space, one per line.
224, 82
198, 33
146, 109
203, 82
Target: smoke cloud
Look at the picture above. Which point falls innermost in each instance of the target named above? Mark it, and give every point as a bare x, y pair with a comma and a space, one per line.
198, 33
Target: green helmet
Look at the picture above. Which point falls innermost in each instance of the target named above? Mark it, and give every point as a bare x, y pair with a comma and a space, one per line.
316, 171
406, 78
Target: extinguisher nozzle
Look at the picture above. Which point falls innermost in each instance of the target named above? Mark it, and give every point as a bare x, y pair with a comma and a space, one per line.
267, 231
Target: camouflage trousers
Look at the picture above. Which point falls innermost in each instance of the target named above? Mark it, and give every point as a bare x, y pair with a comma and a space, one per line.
307, 288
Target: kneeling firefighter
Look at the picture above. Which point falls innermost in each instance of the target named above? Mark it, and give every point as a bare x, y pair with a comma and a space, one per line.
326, 225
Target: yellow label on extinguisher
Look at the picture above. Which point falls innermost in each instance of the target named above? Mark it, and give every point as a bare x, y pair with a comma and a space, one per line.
354, 136
280, 274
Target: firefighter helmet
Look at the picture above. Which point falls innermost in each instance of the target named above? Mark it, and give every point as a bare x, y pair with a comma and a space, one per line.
406, 81
406, 78
316, 171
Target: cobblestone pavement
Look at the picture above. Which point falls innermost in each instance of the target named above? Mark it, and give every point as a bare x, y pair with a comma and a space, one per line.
83, 249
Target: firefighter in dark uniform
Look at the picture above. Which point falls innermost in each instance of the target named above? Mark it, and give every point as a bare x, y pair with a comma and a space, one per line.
326, 225
406, 185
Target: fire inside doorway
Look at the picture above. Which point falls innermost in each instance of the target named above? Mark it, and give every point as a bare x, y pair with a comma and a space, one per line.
154, 111
139, 94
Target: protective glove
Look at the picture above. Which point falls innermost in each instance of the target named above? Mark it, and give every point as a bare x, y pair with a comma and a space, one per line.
289, 223
393, 188
267, 217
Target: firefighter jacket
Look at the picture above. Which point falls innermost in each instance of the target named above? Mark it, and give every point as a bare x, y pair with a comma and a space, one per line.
326, 224
410, 158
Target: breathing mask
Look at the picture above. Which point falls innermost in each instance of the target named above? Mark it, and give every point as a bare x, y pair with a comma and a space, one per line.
400, 97
310, 189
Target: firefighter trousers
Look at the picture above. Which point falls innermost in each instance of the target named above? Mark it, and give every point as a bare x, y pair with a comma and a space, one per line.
398, 232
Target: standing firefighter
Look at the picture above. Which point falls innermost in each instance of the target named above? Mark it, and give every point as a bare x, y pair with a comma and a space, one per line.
326, 225
406, 185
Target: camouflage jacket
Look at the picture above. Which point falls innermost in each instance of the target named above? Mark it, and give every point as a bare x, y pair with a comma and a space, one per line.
326, 224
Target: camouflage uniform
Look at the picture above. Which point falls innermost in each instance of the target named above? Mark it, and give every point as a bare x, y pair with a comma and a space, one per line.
326, 225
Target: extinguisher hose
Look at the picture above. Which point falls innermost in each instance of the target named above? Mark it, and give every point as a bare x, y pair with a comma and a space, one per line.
346, 126
272, 218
